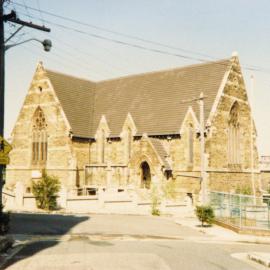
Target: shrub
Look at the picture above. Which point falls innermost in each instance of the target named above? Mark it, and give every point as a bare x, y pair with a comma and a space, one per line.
45, 190
205, 214
244, 190
4, 221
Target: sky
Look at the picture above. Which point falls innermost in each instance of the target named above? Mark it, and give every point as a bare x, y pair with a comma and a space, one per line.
109, 40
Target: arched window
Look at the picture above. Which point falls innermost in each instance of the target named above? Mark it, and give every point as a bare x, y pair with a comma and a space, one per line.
129, 143
39, 138
190, 144
234, 135
102, 146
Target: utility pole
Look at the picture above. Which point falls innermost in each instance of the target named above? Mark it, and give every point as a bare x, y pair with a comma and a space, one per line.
202, 147
252, 140
200, 100
11, 17
2, 89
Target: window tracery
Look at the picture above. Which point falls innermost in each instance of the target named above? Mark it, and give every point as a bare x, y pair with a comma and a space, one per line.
39, 138
234, 135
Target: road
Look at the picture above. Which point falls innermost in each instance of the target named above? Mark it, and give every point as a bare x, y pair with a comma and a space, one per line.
118, 242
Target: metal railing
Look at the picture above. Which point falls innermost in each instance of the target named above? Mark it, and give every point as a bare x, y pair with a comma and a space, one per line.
242, 211
84, 191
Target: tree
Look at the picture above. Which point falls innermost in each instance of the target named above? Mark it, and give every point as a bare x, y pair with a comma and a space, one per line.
45, 191
205, 214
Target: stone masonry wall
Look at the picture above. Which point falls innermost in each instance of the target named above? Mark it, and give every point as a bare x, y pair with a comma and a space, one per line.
222, 176
60, 161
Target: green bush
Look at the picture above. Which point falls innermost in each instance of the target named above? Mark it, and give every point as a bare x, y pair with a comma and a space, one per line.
205, 214
4, 221
45, 190
244, 190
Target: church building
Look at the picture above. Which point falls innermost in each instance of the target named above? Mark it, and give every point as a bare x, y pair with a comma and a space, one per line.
138, 131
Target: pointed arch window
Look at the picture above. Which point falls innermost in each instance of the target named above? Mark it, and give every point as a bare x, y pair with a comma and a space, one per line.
129, 143
234, 135
102, 146
39, 138
190, 145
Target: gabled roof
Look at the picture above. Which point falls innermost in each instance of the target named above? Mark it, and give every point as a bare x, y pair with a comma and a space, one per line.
154, 100
77, 99
157, 144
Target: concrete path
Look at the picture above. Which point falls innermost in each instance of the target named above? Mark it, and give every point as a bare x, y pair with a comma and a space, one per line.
219, 234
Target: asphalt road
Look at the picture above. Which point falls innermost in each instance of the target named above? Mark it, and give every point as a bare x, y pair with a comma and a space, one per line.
43, 224
83, 253
68, 242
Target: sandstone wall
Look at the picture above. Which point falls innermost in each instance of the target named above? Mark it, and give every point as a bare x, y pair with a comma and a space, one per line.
60, 161
222, 175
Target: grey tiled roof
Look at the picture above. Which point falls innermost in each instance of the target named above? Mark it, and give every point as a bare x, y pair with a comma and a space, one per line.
154, 100
161, 152
77, 99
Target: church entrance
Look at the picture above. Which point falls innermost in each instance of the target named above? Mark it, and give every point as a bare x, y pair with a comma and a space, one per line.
145, 175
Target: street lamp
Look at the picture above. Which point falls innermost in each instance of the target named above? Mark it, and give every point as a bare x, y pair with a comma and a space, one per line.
47, 44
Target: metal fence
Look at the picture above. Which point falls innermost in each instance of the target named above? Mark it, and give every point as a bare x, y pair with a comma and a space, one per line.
242, 211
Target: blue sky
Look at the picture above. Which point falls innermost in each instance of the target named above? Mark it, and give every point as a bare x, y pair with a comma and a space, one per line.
209, 27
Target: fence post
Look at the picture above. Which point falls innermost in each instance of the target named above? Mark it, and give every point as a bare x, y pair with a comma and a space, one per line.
268, 207
19, 194
230, 212
240, 208
62, 199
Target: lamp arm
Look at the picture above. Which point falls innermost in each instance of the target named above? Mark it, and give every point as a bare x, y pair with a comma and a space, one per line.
16, 44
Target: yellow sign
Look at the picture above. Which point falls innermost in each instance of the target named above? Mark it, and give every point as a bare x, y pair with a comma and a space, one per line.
5, 148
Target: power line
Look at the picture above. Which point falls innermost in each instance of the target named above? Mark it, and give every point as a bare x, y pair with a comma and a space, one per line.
116, 32
108, 65
26, 8
41, 15
250, 68
120, 42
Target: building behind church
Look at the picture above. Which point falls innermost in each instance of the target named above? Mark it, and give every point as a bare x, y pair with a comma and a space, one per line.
138, 131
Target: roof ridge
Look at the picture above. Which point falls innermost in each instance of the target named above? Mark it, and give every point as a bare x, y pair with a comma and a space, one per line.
139, 74
164, 70
71, 76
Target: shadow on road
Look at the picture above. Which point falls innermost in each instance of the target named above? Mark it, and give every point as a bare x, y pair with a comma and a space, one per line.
40, 224
43, 224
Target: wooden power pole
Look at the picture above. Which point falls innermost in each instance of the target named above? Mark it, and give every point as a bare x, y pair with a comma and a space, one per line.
11, 17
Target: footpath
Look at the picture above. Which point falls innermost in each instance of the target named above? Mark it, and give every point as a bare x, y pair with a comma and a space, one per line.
217, 233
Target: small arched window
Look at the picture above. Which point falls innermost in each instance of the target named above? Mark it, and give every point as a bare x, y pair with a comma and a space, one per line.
39, 138
190, 144
234, 135
102, 146
129, 143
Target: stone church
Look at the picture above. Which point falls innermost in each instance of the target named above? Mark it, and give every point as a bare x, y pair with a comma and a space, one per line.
137, 131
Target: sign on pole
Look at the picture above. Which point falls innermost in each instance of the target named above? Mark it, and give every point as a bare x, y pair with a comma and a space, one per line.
5, 148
